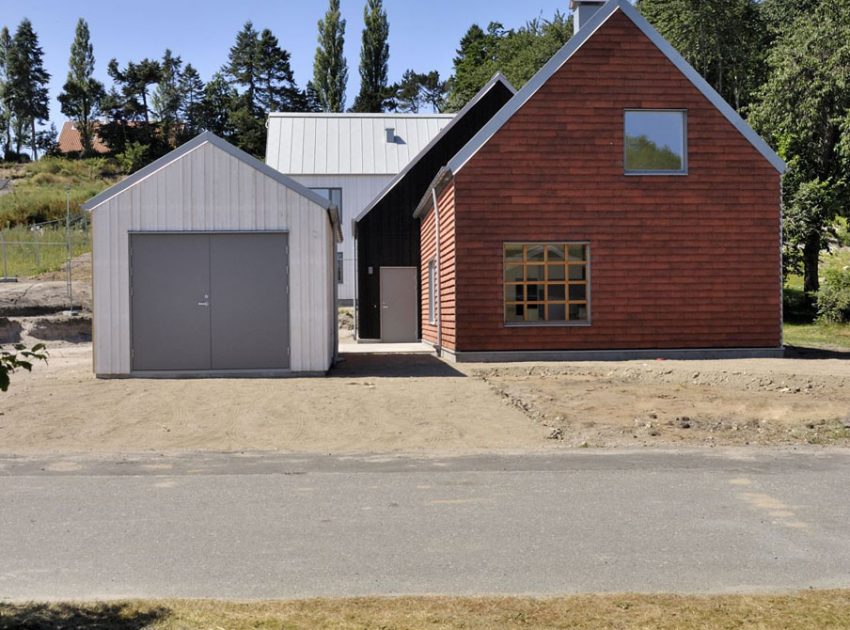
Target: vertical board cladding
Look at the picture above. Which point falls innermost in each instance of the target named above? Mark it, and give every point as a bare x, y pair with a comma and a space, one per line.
209, 190
447, 311
388, 236
357, 192
687, 261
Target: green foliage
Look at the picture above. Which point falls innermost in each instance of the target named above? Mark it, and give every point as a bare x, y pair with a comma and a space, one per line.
803, 110
19, 359
519, 54
40, 188
724, 40
133, 157
644, 154
374, 60
330, 69
418, 90
842, 231
82, 94
6, 111
27, 85
834, 296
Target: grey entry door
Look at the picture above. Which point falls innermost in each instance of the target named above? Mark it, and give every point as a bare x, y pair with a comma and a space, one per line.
202, 302
399, 312
169, 310
249, 301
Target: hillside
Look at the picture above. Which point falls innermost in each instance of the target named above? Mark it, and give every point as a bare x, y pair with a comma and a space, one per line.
37, 191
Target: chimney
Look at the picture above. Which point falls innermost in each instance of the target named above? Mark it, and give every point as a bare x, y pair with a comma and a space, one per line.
583, 10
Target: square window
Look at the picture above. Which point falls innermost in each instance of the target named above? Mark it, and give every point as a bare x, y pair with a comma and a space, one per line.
655, 142
546, 283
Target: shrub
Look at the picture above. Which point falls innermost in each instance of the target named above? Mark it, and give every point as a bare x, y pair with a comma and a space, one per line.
46, 178
133, 158
834, 296
842, 231
797, 307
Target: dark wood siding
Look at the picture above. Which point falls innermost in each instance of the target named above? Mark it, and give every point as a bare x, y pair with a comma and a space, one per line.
389, 235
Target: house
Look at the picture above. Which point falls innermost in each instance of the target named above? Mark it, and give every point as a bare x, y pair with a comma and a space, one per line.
208, 262
616, 207
348, 158
386, 234
70, 142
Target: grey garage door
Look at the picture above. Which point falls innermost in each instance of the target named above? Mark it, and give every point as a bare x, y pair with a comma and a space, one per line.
209, 302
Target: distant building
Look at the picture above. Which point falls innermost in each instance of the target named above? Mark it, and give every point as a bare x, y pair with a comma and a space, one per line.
70, 141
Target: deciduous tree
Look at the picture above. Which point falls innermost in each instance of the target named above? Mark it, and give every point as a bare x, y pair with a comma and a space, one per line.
330, 69
374, 59
82, 94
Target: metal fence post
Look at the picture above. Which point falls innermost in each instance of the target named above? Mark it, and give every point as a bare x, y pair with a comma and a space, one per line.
5, 257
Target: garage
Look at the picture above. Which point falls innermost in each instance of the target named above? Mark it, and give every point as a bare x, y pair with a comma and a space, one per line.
209, 263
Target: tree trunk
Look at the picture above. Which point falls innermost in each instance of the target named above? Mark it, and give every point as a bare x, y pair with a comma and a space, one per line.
811, 259
34, 140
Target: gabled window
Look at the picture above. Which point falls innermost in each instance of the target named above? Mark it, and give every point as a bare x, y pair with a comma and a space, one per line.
655, 142
547, 283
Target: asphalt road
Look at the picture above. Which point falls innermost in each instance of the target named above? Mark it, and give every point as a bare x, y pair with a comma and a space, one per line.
249, 526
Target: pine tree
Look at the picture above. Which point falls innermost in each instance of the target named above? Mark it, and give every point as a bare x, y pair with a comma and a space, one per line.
241, 67
417, 90
276, 88
374, 59
192, 100
330, 69
5, 103
218, 101
82, 94
28, 82
167, 99
134, 81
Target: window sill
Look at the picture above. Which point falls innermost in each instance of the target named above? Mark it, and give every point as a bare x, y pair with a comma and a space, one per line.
655, 173
547, 324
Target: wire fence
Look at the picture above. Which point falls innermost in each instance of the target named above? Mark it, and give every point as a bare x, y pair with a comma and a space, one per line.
31, 250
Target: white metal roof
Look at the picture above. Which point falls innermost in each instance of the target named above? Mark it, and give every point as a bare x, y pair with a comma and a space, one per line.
348, 144
573, 45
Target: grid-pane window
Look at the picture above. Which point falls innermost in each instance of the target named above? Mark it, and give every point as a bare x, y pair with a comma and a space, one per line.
655, 142
546, 282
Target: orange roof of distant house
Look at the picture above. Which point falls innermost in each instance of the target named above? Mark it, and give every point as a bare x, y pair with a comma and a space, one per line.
70, 142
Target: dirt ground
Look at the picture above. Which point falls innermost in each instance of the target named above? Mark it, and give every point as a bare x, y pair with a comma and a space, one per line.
693, 403
367, 406
418, 404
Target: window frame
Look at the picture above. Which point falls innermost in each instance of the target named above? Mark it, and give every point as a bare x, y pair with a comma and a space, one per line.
340, 267
432, 285
550, 324
657, 173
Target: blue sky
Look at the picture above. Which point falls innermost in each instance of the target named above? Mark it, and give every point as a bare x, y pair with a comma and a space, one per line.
423, 35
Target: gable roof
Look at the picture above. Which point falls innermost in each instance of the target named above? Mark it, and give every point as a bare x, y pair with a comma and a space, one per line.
348, 144
498, 79
210, 138
573, 45
70, 140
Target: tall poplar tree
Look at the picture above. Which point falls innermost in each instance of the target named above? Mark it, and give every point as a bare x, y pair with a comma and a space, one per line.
28, 81
330, 69
5, 103
82, 94
374, 59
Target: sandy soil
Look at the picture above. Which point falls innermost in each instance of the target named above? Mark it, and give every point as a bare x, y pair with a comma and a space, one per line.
368, 406
745, 402
386, 404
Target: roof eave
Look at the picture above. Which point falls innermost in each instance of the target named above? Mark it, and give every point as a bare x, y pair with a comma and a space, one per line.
438, 184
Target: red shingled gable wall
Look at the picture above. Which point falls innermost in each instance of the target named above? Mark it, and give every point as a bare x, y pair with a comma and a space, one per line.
676, 261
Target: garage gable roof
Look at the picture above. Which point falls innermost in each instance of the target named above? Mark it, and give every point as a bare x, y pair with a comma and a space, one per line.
573, 45
205, 138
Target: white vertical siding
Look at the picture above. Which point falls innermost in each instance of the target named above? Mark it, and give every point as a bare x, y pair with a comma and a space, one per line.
208, 190
358, 191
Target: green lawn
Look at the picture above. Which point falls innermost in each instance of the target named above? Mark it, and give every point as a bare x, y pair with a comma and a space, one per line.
25, 252
801, 332
811, 610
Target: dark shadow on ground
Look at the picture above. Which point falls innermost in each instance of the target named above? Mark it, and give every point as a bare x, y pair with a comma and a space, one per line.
800, 352
392, 366
68, 616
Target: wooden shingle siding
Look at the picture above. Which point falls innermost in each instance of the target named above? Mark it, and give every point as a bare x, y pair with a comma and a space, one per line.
676, 261
447, 268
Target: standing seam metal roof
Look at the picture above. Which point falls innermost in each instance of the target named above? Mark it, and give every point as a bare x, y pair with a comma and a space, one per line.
348, 144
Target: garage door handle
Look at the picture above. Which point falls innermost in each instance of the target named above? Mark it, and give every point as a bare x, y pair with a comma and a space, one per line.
203, 303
